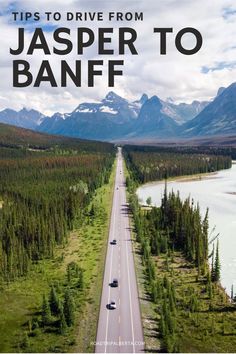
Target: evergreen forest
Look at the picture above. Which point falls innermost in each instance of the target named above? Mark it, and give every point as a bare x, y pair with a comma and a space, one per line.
55, 196
154, 163
184, 307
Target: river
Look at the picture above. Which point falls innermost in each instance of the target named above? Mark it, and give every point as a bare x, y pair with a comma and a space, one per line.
218, 193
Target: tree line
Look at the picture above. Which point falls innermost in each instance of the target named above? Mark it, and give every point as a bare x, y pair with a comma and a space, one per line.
149, 164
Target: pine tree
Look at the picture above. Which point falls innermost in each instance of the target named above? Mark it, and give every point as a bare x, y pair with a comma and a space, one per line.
62, 323
216, 272
92, 211
171, 301
193, 305
154, 293
46, 314
232, 292
69, 309
54, 302
212, 260
162, 326
205, 227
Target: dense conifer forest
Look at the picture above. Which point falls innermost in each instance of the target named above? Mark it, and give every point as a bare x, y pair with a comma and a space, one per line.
152, 163
43, 193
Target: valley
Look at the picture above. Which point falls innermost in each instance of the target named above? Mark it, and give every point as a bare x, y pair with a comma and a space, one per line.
60, 199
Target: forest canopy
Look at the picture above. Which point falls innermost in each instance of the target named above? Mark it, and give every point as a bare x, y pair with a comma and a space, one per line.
43, 193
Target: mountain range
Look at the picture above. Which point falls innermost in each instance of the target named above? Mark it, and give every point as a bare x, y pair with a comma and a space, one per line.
116, 118
29, 119
218, 118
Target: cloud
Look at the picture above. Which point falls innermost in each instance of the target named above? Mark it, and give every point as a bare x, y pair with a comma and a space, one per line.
219, 66
184, 78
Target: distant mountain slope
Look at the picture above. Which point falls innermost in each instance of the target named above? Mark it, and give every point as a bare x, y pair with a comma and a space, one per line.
183, 112
218, 118
15, 137
108, 119
24, 118
152, 122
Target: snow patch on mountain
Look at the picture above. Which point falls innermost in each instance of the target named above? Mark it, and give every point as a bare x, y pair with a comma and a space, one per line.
84, 110
106, 109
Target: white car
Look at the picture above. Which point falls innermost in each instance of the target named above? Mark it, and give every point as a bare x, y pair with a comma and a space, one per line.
112, 305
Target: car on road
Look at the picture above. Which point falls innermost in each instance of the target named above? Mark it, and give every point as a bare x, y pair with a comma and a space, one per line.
112, 305
114, 283
113, 242
117, 188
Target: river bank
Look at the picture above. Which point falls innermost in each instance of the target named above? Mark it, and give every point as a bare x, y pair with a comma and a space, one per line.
214, 191
187, 178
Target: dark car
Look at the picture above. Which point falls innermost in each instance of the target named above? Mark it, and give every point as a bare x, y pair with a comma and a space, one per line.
114, 283
113, 242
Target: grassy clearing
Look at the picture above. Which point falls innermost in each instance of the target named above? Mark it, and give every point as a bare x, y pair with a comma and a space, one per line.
21, 300
211, 328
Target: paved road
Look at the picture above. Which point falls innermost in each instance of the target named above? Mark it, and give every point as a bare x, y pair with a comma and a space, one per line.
120, 330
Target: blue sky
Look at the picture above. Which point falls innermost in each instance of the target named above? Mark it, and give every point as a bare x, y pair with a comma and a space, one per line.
30, 24
184, 78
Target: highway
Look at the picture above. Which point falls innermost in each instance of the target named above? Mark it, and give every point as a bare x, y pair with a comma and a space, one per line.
120, 330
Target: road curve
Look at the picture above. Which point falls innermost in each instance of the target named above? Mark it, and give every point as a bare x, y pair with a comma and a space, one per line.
120, 330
